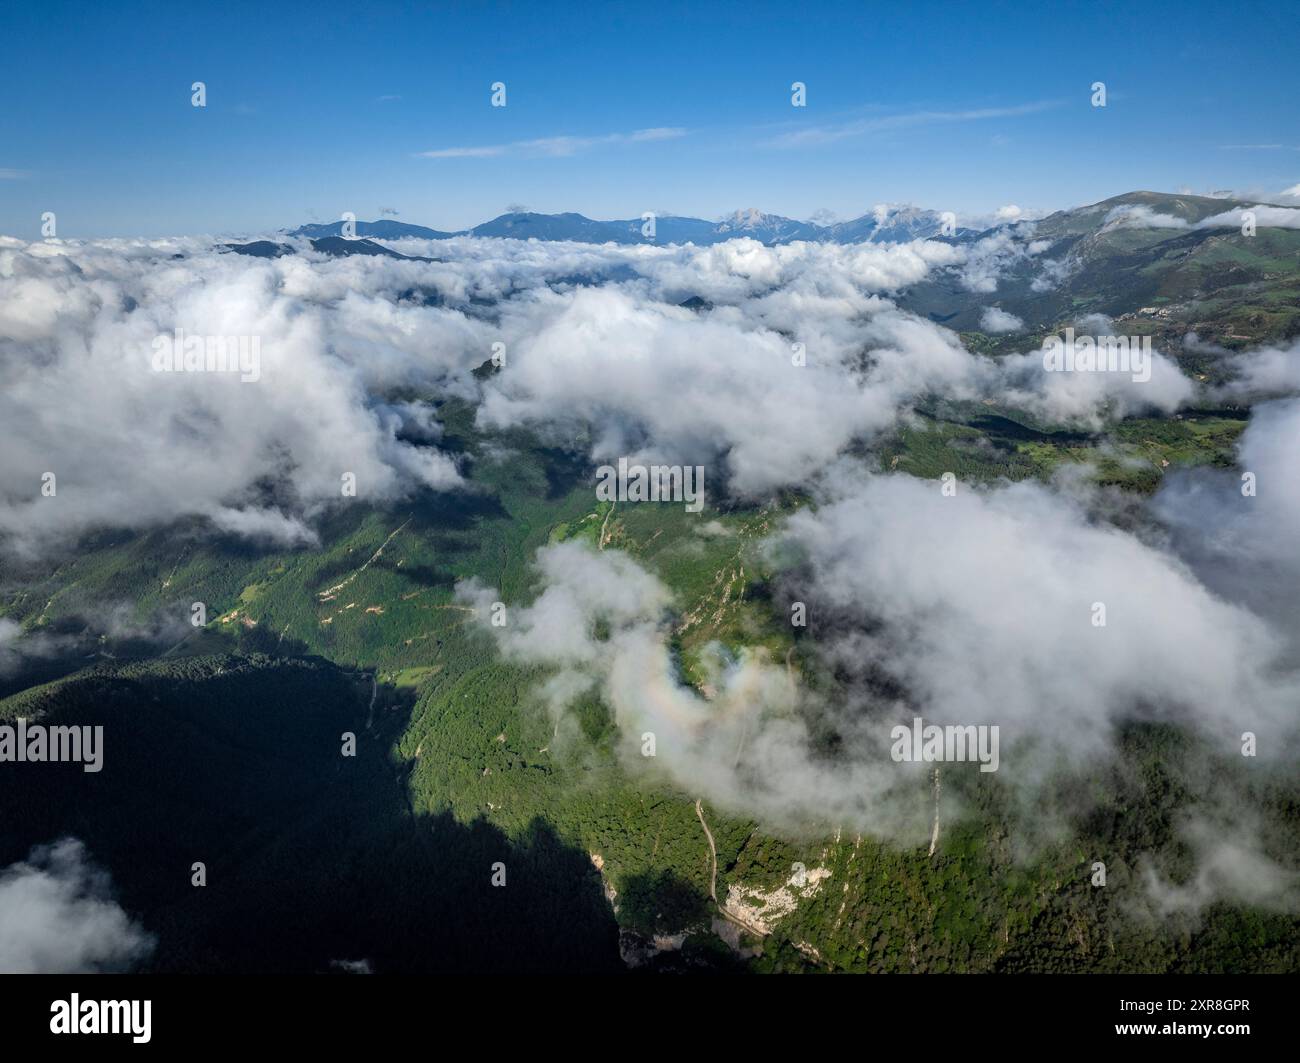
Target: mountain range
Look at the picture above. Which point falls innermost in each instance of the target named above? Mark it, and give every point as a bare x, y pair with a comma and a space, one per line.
1142, 254
225, 737
884, 225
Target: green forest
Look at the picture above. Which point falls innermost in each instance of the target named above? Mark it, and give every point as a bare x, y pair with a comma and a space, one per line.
225, 748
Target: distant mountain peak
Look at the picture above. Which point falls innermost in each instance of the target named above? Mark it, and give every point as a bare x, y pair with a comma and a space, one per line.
885, 223
747, 217
383, 229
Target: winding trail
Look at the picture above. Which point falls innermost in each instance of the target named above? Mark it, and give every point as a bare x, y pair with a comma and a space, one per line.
600, 544
934, 835
731, 917
713, 853
330, 592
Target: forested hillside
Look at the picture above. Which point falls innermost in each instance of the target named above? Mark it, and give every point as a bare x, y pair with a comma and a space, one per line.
223, 745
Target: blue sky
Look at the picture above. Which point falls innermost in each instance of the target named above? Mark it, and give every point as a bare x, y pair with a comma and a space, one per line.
317, 109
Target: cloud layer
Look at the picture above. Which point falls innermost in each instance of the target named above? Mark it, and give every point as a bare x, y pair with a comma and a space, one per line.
766, 365
799, 343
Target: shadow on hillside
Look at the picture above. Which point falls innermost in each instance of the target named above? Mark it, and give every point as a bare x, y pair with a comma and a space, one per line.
1005, 428
662, 902
565, 470
453, 511
313, 859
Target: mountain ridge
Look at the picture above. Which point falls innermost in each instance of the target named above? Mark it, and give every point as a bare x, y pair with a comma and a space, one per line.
887, 223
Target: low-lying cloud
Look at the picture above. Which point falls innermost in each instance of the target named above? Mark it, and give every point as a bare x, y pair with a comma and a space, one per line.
799, 342
58, 916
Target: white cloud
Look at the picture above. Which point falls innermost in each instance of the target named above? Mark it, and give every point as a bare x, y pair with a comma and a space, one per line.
829, 134
1238, 535
132, 446
1230, 864
554, 146
594, 334
1091, 398
1266, 217
744, 746
975, 609
57, 916
996, 320
986, 260
981, 605
1265, 372
1139, 216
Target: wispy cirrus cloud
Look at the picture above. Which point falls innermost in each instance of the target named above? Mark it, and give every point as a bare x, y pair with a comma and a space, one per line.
554, 147
1259, 147
830, 134
7, 174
